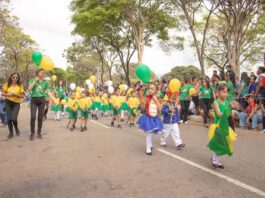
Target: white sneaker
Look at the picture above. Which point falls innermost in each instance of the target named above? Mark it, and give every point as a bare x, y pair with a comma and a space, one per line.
63, 114
181, 121
186, 122
263, 131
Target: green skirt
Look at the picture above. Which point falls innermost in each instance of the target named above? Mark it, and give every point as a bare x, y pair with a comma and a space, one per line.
72, 114
84, 114
96, 105
56, 108
124, 107
105, 108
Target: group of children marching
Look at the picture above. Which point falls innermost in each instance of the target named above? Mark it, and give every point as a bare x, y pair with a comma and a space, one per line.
150, 107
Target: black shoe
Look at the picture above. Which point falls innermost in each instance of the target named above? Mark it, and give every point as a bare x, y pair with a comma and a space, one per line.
150, 153
131, 125
74, 126
17, 132
112, 124
32, 136
10, 136
72, 129
85, 128
119, 126
179, 147
39, 136
82, 129
151, 148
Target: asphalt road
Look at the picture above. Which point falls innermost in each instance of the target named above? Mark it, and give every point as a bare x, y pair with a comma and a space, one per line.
111, 162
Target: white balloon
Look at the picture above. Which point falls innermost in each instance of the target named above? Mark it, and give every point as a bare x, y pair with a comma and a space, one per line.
109, 83
47, 78
125, 87
111, 89
72, 86
88, 82
91, 86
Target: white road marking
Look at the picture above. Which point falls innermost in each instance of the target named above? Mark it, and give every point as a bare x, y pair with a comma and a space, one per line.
100, 124
229, 179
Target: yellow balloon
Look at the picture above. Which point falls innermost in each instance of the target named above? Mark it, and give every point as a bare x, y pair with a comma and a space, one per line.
174, 85
105, 96
122, 88
54, 78
91, 90
93, 79
47, 64
78, 89
192, 91
63, 102
130, 90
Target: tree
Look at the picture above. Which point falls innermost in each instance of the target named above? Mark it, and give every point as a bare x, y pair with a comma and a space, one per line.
181, 72
198, 28
237, 34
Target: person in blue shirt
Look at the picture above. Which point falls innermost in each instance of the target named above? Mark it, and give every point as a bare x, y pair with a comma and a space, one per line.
171, 119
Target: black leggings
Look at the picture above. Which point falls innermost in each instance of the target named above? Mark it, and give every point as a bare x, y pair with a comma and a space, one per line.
12, 110
206, 106
185, 105
37, 103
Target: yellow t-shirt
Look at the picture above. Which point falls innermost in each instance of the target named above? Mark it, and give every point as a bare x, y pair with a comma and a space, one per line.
83, 104
122, 98
116, 101
133, 102
89, 102
97, 99
18, 90
72, 104
57, 101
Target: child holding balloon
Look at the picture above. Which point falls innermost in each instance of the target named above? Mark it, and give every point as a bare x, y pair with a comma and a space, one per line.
150, 121
72, 107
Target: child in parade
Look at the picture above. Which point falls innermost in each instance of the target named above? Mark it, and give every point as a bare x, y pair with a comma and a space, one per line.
133, 103
96, 106
150, 121
116, 103
72, 107
105, 104
56, 107
170, 114
124, 106
83, 104
221, 135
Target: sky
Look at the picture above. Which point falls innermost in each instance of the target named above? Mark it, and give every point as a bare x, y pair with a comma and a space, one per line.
48, 22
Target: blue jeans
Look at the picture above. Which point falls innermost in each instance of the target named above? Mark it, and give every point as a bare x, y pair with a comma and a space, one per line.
242, 119
256, 119
3, 116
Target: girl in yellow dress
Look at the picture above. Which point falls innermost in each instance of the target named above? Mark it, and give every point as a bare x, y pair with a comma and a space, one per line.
72, 108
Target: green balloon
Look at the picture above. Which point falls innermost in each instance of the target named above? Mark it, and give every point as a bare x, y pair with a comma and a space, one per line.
36, 58
143, 73
160, 95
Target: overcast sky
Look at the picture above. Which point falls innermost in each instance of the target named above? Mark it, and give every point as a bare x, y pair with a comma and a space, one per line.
48, 23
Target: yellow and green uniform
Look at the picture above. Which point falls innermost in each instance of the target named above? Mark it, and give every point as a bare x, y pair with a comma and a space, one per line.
57, 106
221, 135
105, 102
39, 90
116, 102
96, 103
124, 105
83, 104
72, 107
133, 103
17, 89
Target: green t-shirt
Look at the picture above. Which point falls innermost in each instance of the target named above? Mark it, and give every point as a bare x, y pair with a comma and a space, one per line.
184, 91
40, 88
60, 90
223, 107
245, 90
230, 86
206, 92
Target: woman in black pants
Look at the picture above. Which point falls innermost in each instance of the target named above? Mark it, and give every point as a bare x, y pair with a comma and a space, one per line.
206, 95
13, 91
39, 88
